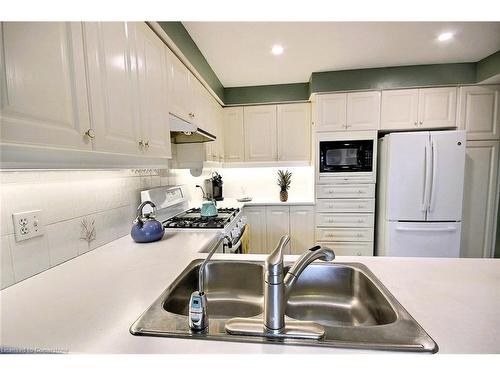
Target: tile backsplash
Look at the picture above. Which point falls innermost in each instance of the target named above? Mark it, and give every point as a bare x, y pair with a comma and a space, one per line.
103, 199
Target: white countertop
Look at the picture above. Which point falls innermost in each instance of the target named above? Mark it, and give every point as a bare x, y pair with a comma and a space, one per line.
88, 303
232, 202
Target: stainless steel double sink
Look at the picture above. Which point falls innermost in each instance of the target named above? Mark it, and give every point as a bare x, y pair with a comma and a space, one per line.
353, 306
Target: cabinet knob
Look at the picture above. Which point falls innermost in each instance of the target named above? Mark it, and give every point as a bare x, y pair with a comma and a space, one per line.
141, 143
358, 253
146, 144
421, 122
415, 123
90, 133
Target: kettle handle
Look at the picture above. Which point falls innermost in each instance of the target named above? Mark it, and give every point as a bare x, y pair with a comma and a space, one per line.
141, 206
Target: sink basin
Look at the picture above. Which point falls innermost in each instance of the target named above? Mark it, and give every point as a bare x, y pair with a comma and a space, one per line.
231, 291
338, 296
352, 305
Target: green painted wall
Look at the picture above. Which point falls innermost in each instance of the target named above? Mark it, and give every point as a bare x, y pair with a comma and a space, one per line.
488, 67
179, 35
393, 77
266, 93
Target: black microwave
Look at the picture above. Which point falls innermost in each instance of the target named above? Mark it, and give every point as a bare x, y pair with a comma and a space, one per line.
346, 156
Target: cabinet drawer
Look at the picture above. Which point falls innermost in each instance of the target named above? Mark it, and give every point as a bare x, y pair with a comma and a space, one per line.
345, 234
346, 191
349, 248
345, 205
344, 220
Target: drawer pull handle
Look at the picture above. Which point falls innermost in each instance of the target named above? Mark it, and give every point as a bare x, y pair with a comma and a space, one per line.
359, 235
360, 220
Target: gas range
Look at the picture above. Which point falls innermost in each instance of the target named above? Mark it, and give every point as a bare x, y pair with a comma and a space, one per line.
172, 209
192, 219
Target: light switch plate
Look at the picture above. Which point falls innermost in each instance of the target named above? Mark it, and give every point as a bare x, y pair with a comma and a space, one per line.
28, 224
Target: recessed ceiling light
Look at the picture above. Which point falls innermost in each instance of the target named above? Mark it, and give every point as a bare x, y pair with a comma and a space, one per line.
277, 49
445, 36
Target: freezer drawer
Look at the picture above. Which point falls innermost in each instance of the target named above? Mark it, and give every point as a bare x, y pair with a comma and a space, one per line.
345, 205
349, 248
344, 220
422, 239
346, 191
344, 234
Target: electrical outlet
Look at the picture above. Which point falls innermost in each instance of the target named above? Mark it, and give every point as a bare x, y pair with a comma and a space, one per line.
28, 224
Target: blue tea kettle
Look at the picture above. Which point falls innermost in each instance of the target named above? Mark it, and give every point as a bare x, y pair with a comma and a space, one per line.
145, 227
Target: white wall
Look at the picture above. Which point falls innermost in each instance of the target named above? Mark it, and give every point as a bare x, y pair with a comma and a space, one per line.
109, 198
259, 183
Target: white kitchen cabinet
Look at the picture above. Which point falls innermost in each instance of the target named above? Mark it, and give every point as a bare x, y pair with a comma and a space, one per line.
363, 110
234, 135
153, 89
113, 84
43, 85
260, 133
294, 131
301, 229
348, 111
220, 132
479, 112
256, 220
331, 112
427, 108
278, 224
349, 248
437, 107
480, 200
179, 87
399, 109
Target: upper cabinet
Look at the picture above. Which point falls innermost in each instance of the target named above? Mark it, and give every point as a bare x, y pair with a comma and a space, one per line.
348, 111
179, 87
419, 108
113, 86
260, 133
128, 87
294, 131
153, 90
479, 112
331, 112
43, 85
399, 109
234, 134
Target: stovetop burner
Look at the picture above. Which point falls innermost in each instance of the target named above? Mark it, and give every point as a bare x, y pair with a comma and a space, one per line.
192, 219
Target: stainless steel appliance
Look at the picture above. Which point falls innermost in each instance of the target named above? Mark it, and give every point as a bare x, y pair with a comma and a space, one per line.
213, 187
172, 209
343, 157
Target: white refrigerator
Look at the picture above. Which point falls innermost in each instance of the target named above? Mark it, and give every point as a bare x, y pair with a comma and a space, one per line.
419, 194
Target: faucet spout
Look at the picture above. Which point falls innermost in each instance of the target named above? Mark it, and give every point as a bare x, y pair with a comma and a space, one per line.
317, 252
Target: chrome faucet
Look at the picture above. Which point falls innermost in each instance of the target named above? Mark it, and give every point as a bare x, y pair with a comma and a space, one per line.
277, 288
198, 312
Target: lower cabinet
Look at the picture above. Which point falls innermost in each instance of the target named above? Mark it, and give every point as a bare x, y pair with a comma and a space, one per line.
479, 215
268, 223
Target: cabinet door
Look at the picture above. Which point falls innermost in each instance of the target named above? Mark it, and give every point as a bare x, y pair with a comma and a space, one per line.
363, 110
437, 107
479, 218
256, 220
331, 112
113, 83
42, 84
234, 145
153, 89
260, 133
294, 132
301, 228
278, 224
179, 87
479, 112
399, 109
219, 114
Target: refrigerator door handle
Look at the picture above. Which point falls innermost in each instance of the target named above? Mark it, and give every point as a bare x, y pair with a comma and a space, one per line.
434, 174
410, 229
427, 176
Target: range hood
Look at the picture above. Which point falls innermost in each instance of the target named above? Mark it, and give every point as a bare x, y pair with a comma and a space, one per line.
184, 132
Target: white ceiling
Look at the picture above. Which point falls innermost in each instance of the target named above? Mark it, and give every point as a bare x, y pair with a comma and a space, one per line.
239, 52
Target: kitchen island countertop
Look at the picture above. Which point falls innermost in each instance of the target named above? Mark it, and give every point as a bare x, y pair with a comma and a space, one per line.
87, 304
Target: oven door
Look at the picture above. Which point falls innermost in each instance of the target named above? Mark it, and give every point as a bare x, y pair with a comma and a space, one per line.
346, 157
